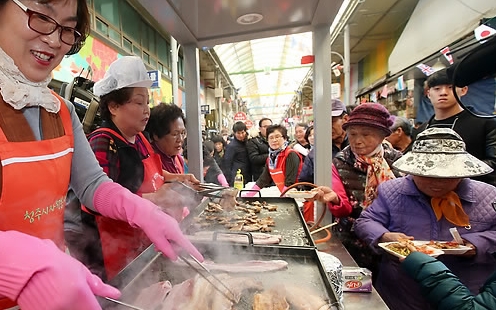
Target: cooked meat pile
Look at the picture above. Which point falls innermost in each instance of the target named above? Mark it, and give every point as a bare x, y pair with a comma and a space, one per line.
244, 217
198, 294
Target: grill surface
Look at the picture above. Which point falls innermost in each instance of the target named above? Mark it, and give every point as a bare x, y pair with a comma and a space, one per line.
288, 218
304, 270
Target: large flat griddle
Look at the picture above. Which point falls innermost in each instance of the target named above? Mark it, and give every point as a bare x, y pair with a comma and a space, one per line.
289, 220
304, 270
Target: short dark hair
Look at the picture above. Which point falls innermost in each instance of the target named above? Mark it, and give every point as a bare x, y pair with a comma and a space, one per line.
119, 96
217, 139
239, 126
161, 118
307, 133
263, 119
440, 77
280, 128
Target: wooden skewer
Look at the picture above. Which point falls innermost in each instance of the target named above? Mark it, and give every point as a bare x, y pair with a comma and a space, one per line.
322, 228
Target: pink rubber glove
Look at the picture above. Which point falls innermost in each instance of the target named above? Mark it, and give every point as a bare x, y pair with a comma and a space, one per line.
252, 192
38, 275
222, 180
115, 201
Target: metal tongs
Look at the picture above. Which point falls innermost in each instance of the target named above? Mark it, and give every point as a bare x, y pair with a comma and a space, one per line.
226, 195
210, 278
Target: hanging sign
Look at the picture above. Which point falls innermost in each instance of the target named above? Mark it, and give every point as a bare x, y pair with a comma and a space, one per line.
240, 116
205, 109
154, 75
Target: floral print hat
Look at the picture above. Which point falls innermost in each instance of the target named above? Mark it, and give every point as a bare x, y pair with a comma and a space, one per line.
440, 153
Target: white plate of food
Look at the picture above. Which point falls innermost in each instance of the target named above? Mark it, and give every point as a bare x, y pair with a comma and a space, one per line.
400, 249
294, 193
448, 247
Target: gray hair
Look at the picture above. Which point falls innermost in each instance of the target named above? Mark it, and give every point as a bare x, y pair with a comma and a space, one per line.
404, 123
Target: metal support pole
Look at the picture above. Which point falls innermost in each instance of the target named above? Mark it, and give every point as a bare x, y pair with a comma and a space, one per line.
347, 78
175, 76
193, 125
322, 108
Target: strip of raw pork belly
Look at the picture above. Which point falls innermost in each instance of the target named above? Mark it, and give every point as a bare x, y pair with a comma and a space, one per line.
300, 298
249, 266
153, 295
258, 238
272, 299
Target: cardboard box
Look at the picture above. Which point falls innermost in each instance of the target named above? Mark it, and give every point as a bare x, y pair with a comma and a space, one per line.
356, 279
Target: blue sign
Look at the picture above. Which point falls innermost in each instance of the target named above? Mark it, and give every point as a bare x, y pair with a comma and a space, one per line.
154, 75
205, 109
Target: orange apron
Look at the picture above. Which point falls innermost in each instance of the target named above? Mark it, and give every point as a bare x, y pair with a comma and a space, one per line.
121, 243
278, 175
35, 176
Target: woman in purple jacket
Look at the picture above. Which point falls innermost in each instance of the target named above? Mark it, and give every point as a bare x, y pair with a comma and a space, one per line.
436, 196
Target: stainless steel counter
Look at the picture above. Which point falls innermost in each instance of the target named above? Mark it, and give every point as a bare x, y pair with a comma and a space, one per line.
352, 300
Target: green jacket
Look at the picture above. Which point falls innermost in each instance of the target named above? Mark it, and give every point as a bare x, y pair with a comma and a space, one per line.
443, 289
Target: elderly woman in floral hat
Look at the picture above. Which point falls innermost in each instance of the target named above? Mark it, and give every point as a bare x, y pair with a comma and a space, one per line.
436, 195
357, 171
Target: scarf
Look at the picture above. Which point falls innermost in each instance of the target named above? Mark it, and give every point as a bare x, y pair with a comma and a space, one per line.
19, 92
451, 207
378, 171
273, 154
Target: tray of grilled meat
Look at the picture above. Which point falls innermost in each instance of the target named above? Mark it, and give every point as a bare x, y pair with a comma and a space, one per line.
257, 277
270, 220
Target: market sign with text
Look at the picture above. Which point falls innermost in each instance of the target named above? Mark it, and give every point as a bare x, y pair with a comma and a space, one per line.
154, 75
240, 116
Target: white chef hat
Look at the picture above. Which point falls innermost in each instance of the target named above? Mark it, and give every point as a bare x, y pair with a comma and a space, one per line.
127, 71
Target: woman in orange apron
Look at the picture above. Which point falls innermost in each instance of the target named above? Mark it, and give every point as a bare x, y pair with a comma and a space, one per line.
43, 151
283, 163
126, 157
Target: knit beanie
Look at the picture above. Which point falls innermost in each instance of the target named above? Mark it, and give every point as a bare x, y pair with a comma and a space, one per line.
371, 115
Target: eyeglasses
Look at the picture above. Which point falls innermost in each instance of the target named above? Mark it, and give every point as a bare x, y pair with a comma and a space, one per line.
46, 25
178, 135
274, 137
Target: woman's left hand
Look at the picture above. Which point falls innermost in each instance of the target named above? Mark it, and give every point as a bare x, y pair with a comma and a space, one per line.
177, 177
187, 178
326, 194
470, 253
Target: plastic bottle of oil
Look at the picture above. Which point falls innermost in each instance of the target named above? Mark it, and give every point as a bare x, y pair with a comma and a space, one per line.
238, 180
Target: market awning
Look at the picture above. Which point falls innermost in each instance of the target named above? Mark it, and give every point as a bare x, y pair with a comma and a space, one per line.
447, 23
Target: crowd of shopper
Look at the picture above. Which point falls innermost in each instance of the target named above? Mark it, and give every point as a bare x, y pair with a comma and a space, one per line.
388, 184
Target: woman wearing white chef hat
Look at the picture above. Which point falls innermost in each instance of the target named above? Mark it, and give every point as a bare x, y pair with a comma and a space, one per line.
103, 244
43, 151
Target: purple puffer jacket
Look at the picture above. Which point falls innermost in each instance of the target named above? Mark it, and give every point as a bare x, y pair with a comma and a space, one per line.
401, 207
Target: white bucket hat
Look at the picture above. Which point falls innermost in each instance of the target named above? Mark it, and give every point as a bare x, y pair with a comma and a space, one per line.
127, 71
440, 153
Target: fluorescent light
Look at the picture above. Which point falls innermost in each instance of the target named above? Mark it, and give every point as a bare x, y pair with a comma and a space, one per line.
347, 8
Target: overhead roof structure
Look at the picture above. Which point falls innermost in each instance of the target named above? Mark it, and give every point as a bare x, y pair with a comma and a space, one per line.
263, 59
268, 71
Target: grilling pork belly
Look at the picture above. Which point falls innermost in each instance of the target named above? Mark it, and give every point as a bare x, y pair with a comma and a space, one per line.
258, 238
198, 294
272, 299
249, 266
